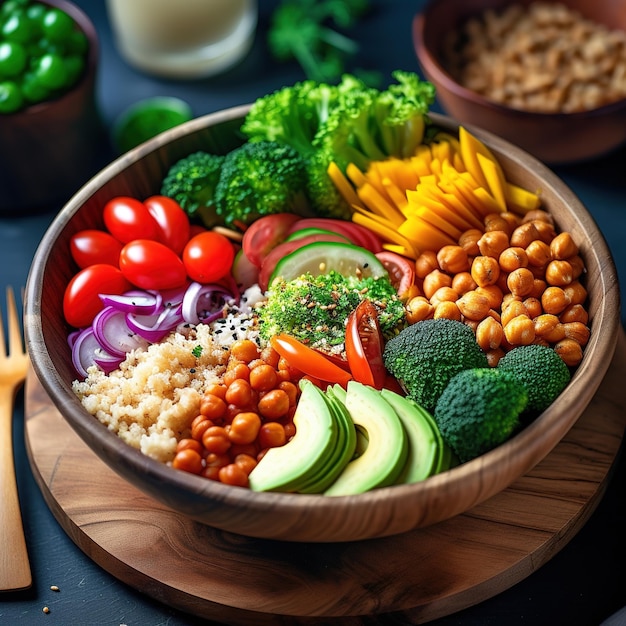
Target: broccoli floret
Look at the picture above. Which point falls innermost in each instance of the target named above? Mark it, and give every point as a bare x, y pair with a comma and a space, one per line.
260, 178
314, 309
191, 181
345, 123
541, 370
479, 409
426, 355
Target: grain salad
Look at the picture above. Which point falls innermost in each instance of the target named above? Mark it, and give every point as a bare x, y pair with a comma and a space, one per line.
152, 398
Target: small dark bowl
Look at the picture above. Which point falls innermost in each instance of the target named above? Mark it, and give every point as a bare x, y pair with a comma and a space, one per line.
296, 517
52, 148
555, 138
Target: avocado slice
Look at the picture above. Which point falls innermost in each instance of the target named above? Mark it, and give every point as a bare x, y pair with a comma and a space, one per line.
385, 456
285, 468
424, 445
342, 453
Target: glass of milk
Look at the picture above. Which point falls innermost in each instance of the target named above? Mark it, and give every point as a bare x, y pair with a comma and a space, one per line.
183, 38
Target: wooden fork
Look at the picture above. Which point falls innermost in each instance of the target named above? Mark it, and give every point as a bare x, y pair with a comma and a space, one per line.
15, 571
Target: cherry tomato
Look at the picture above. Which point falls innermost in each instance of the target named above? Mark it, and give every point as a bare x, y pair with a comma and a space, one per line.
400, 269
128, 219
149, 264
172, 221
364, 346
266, 233
89, 247
81, 300
308, 361
208, 257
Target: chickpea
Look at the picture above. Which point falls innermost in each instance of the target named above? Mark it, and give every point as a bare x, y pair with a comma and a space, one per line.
575, 313
246, 462
236, 371
538, 253
575, 293
524, 234
188, 460
444, 294
577, 331
570, 351
494, 356
494, 222
215, 439
512, 220
533, 306
272, 435
559, 273
578, 266
545, 229
485, 270
462, 283
538, 215
426, 263
469, 241
453, 259
556, 334
545, 324
239, 393
263, 377
448, 310
520, 282
274, 404
515, 308
513, 258
199, 426
520, 331
244, 428
433, 281
233, 474
563, 247
418, 309
213, 407
493, 243
554, 300
473, 305
489, 334
493, 293
539, 286
244, 350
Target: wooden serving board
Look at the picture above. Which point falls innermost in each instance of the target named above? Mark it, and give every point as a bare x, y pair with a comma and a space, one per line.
419, 576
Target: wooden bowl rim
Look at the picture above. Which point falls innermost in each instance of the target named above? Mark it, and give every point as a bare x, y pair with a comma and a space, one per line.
123, 458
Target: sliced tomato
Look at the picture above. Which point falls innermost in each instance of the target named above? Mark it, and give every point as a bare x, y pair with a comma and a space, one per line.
81, 300
309, 361
401, 270
359, 235
172, 221
364, 346
92, 246
266, 233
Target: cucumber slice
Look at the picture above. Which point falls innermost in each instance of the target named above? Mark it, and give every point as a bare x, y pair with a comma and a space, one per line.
322, 257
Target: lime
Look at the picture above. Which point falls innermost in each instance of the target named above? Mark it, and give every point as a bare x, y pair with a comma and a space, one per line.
147, 118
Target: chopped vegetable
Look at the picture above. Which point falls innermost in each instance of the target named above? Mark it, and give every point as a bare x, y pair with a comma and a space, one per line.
425, 356
314, 309
479, 409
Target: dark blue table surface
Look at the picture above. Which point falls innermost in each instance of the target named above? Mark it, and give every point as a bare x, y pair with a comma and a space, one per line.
582, 585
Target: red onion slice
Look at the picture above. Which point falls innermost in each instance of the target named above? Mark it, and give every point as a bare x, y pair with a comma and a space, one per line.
136, 301
205, 303
86, 351
113, 333
154, 327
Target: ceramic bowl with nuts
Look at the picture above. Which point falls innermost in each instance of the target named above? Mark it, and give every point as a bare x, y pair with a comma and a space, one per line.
548, 76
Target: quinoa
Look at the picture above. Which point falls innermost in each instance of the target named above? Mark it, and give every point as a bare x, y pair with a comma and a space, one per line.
152, 398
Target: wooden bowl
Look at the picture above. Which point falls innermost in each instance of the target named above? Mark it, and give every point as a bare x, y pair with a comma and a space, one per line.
555, 138
295, 517
50, 149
